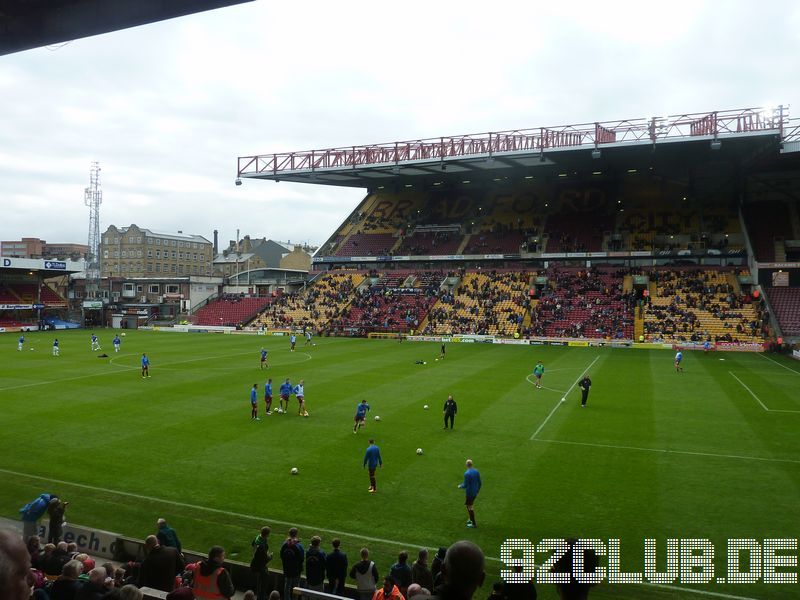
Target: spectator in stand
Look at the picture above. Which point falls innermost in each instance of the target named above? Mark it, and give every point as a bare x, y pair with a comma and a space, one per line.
292, 556
401, 572
416, 589
15, 567
95, 588
126, 592
35, 550
463, 572
160, 566
67, 585
54, 565
260, 560
420, 573
167, 536
55, 510
315, 565
336, 569
436, 566
366, 575
389, 591
211, 579
574, 590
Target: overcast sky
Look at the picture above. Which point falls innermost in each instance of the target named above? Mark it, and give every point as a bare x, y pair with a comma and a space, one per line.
167, 108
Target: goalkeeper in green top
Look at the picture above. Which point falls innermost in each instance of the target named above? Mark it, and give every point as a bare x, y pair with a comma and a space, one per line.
538, 371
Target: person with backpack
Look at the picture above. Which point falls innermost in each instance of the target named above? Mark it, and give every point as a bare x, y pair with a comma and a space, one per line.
292, 557
315, 565
32, 512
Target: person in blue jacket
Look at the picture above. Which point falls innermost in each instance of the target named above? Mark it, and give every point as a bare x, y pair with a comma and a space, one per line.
373, 460
285, 391
471, 486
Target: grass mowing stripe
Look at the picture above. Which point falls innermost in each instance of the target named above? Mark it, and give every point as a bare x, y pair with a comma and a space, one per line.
666, 451
555, 408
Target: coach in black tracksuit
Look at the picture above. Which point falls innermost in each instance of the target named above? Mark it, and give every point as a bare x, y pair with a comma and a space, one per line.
585, 384
450, 410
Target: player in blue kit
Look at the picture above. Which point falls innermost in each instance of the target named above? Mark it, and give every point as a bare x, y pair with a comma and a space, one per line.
254, 403
678, 359
471, 486
361, 415
285, 391
373, 460
56, 350
145, 366
20, 343
116, 341
268, 396
264, 358
95, 343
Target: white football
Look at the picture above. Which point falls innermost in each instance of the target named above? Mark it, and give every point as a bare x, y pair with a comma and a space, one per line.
294, 470
419, 450
31, 349
425, 407
563, 399
122, 334
377, 418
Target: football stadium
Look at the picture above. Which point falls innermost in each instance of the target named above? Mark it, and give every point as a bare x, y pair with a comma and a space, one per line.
573, 341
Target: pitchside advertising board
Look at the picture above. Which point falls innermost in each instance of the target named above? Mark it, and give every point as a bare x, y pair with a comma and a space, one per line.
94, 542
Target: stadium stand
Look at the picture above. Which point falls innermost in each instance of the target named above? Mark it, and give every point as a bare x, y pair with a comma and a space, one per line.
27, 293
583, 303
323, 300
698, 305
767, 222
483, 304
786, 305
230, 310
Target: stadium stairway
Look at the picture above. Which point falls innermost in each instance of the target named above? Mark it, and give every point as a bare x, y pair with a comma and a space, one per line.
638, 325
733, 281
464, 243
627, 284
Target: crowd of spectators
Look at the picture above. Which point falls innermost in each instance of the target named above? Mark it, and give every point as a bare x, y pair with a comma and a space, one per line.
454, 573
583, 303
701, 306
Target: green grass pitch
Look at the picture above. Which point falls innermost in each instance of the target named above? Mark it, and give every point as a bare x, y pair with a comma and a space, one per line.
711, 452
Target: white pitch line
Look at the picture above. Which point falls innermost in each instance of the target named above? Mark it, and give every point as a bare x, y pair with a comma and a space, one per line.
313, 528
764, 406
664, 451
555, 408
779, 364
544, 387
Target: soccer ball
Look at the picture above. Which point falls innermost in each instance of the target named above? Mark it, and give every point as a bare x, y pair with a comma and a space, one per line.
31, 349
377, 418
305, 414
122, 334
279, 410
563, 399
425, 407
294, 470
419, 450
436, 359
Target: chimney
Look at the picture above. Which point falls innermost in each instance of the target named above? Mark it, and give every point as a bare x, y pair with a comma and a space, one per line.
216, 242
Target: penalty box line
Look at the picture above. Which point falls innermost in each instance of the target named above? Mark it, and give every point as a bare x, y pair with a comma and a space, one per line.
555, 408
757, 399
309, 527
667, 451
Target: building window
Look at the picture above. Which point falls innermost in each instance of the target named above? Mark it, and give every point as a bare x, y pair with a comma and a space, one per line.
158, 241
180, 269
149, 268
149, 254
138, 254
173, 254
105, 253
149, 241
173, 268
171, 289
116, 253
154, 288
158, 268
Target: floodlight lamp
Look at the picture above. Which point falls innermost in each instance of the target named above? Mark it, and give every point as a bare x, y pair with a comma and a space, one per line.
238, 181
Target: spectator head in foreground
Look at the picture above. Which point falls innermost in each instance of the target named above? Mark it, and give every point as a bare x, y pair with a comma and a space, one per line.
15, 567
574, 590
463, 569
